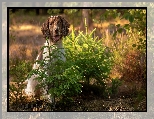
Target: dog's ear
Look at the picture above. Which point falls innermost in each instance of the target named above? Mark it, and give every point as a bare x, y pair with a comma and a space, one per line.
66, 26
45, 29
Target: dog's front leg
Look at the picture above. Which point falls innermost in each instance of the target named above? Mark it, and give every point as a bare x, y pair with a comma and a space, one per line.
32, 83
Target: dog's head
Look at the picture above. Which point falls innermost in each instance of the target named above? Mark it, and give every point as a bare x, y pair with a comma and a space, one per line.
55, 28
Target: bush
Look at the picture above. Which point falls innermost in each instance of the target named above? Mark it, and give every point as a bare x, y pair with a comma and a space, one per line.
134, 69
93, 59
60, 77
17, 73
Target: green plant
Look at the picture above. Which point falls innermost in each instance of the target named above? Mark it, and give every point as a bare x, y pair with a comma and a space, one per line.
18, 74
61, 77
129, 52
137, 24
93, 59
115, 83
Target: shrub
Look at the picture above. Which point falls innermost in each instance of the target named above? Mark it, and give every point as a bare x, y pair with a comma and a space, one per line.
60, 77
18, 74
113, 89
88, 53
134, 69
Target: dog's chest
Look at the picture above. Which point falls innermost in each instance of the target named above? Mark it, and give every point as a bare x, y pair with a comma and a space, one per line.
55, 50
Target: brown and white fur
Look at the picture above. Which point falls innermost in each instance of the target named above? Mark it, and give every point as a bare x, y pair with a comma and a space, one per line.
53, 29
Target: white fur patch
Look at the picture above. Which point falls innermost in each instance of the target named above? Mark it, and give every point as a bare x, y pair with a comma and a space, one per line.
31, 85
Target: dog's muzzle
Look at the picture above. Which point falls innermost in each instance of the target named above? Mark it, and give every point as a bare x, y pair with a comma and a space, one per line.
56, 38
57, 35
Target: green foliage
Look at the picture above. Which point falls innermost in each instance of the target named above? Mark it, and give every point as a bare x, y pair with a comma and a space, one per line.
67, 83
88, 53
71, 11
137, 19
54, 11
65, 11
114, 86
137, 23
60, 76
17, 72
18, 69
129, 51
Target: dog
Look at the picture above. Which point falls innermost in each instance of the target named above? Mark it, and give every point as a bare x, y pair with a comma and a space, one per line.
53, 29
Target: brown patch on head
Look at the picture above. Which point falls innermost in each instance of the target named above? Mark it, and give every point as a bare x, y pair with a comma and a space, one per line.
55, 28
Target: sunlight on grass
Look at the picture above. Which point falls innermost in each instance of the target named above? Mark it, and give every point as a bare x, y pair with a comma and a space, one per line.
26, 52
37, 29
105, 24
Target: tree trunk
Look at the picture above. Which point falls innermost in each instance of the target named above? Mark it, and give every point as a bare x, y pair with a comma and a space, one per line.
86, 16
85, 19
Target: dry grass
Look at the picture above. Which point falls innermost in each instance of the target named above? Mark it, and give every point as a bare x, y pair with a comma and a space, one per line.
26, 42
105, 24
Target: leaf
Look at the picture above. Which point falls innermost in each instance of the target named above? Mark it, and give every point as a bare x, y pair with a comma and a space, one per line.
120, 30
126, 26
131, 18
126, 16
92, 32
118, 25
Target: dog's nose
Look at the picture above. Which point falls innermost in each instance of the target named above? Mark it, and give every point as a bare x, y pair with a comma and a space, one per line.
56, 30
